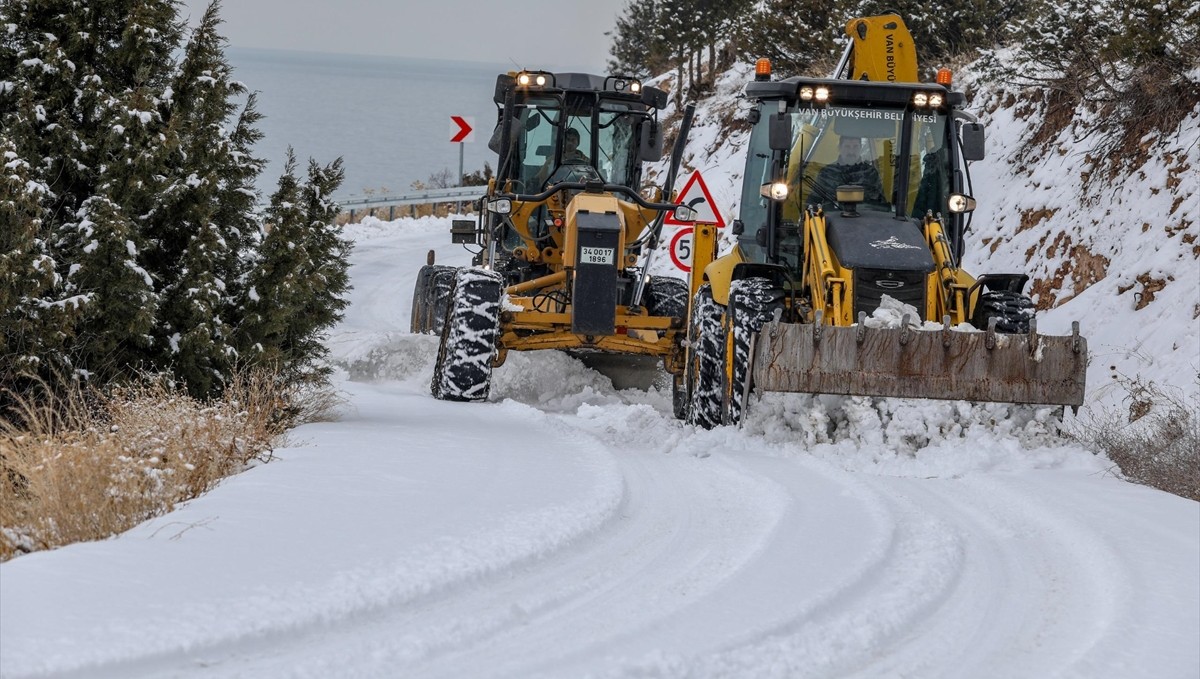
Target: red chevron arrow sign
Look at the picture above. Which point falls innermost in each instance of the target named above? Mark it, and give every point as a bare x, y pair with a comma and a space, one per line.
461, 129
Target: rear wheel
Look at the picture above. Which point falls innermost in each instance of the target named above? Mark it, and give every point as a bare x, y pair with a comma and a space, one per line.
429, 298
667, 296
416, 322
752, 302
705, 370
463, 371
1012, 310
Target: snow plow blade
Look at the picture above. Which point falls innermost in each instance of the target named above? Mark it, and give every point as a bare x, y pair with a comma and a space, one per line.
915, 363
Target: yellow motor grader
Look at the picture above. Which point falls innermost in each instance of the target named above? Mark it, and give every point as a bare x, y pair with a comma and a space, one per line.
856, 195
560, 236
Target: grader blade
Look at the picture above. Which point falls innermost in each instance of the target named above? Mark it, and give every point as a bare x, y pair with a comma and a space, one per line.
913, 363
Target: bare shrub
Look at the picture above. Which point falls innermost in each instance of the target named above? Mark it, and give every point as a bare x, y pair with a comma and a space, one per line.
1155, 442
85, 466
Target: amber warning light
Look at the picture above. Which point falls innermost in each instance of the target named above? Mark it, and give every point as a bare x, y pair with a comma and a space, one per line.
762, 69
944, 77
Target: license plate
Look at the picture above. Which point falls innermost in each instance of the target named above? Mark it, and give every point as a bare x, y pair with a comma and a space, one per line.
596, 255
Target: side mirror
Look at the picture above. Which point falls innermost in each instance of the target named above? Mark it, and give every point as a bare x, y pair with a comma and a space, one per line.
652, 96
972, 141
462, 231
780, 131
651, 147
514, 127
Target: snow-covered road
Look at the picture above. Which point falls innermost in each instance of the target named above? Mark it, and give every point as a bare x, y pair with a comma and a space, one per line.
565, 529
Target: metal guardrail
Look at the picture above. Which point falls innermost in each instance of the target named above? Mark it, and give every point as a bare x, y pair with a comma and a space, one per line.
456, 194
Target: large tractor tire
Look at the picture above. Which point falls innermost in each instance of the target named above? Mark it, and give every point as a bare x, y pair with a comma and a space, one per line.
752, 302
705, 370
667, 296
416, 322
430, 293
463, 371
1012, 310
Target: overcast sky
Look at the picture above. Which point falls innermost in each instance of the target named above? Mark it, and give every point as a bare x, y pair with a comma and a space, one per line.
551, 34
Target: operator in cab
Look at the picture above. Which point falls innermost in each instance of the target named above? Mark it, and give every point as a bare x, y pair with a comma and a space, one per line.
850, 168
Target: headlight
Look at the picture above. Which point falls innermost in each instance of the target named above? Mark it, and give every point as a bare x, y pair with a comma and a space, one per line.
500, 206
774, 190
821, 94
535, 78
684, 213
935, 100
806, 93
920, 100
635, 86
960, 203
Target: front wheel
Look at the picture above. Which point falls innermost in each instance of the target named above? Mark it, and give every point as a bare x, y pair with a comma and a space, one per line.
463, 370
752, 302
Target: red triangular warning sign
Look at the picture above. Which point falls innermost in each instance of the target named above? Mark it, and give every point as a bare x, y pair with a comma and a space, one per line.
696, 196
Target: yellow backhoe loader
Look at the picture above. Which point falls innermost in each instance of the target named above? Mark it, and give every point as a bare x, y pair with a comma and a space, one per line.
560, 236
856, 195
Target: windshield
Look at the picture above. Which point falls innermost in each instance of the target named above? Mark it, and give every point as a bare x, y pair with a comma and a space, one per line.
617, 144
845, 145
587, 140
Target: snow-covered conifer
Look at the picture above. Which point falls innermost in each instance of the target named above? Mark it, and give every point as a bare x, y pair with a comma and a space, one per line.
296, 288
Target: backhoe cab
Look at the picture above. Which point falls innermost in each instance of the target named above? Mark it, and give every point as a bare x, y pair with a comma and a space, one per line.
856, 195
559, 236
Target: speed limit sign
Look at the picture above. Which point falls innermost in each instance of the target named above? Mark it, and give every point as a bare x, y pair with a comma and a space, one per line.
681, 249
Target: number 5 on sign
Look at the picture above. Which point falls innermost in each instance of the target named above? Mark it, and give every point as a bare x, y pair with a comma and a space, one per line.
681, 249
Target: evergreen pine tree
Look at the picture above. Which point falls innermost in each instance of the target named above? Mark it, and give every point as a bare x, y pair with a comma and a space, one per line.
205, 221
327, 280
33, 324
202, 355
793, 34
296, 286
37, 95
117, 294
638, 45
85, 113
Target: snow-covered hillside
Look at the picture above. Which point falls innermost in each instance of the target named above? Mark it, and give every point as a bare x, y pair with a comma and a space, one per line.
1110, 244
566, 529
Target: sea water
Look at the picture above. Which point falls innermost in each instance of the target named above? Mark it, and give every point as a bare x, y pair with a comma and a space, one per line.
388, 118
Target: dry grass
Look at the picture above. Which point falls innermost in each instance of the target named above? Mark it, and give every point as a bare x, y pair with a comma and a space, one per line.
87, 466
1156, 442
